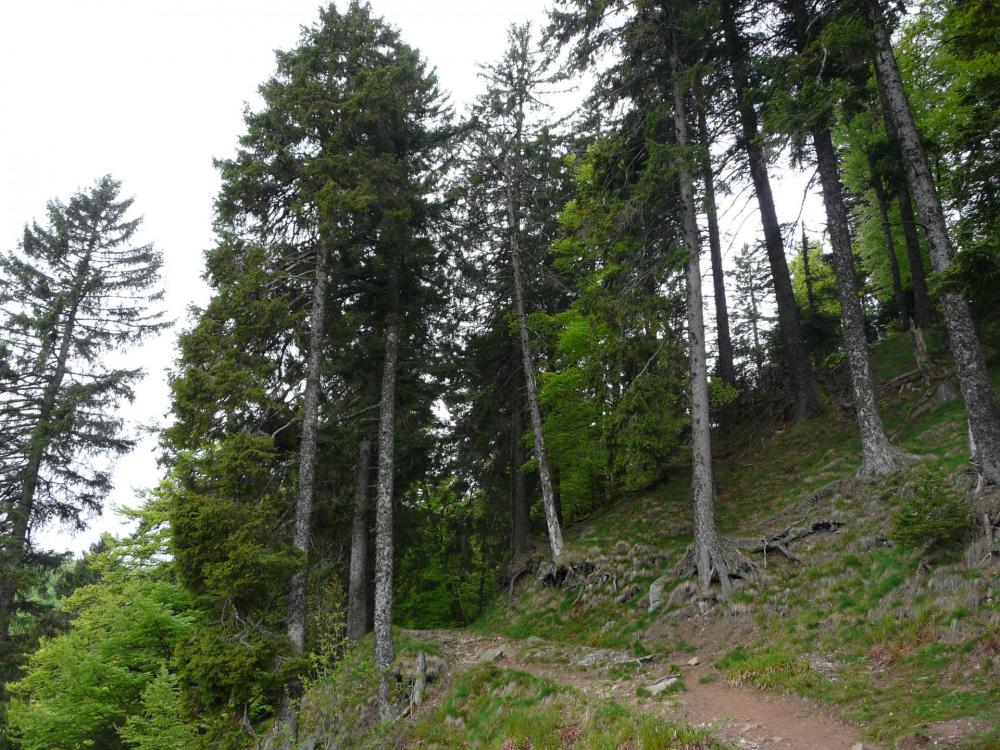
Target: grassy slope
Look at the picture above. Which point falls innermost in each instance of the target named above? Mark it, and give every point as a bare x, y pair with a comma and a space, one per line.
902, 639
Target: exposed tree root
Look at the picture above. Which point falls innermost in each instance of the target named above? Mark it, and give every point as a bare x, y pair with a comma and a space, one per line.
780, 542
735, 563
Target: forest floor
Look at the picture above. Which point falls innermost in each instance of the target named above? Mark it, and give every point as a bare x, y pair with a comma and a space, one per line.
852, 638
697, 695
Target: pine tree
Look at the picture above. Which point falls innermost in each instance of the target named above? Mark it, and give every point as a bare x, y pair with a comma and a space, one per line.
79, 288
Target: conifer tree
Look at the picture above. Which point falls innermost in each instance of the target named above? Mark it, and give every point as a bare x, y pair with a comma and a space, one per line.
510, 149
737, 55
878, 457
79, 287
973, 376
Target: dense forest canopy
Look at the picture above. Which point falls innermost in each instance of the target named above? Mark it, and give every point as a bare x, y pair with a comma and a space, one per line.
437, 339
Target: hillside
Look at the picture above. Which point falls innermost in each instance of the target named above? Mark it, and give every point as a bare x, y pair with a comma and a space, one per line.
892, 644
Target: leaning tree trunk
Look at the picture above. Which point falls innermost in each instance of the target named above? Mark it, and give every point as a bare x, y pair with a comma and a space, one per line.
726, 369
531, 384
357, 588
307, 455
878, 457
708, 551
973, 376
385, 652
923, 308
890, 250
19, 520
519, 511
807, 398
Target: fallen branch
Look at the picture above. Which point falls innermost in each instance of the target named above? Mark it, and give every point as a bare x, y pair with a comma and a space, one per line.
780, 542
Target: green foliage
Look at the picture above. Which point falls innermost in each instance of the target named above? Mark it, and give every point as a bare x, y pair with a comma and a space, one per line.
159, 725
933, 516
81, 687
449, 561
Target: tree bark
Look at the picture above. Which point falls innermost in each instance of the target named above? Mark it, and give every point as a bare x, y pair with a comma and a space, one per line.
890, 250
357, 591
973, 376
923, 308
708, 551
385, 652
878, 457
307, 454
807, 399
531, 383
519, 511
726, 369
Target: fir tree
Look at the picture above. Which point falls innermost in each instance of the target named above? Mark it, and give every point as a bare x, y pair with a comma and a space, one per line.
79, 288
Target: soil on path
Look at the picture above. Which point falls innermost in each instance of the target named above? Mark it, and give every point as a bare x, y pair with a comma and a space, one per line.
746, 717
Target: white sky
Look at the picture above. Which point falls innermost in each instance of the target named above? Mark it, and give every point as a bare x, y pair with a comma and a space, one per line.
150, 91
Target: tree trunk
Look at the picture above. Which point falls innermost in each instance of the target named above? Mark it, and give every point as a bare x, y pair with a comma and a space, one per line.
807, 400
307, 455
973, 376
878, 457
519, 511
726, 369
708, 551
548, 500
357, 591
923, 308
890, 250
19, 520
810, 296
385, 652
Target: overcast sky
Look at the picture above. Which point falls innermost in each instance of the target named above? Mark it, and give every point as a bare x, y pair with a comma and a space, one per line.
150, 92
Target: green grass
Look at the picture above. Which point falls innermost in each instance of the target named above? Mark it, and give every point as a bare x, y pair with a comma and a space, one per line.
492, 707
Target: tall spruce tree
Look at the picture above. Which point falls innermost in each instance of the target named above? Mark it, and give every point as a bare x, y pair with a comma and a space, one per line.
811, 82
973, 376
79, 288
511, 183
737, 53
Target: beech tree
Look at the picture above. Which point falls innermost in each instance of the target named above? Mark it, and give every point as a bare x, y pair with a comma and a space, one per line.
78, 288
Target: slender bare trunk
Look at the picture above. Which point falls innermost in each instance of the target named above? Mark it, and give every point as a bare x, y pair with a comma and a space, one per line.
357, 590
726, 369
531, 383
307, 455
385, 652
519, 512
973, 376
810, 296
708, 550
807, 399
923, 308
878, 457
899, 296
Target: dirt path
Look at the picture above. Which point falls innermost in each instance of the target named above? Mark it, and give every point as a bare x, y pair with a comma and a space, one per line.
746, 717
